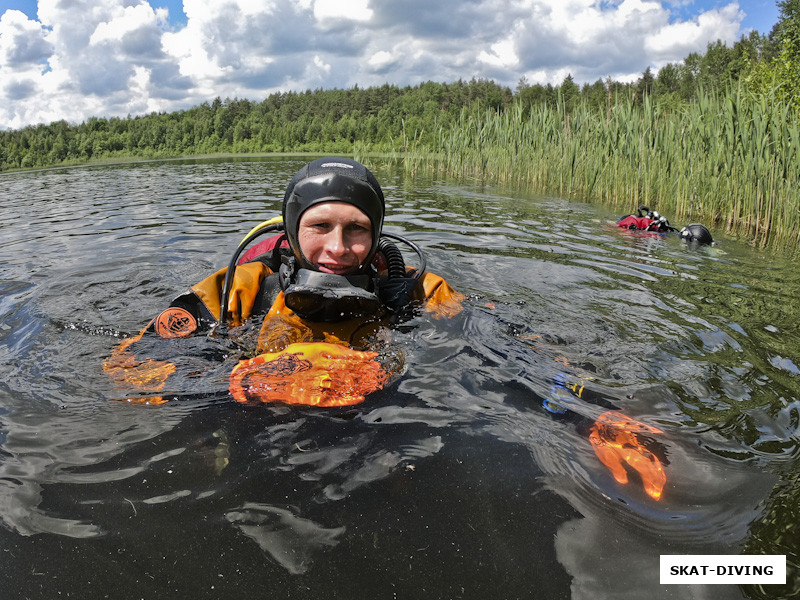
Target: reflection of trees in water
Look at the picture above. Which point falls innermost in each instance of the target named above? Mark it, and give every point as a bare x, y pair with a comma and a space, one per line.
778, 532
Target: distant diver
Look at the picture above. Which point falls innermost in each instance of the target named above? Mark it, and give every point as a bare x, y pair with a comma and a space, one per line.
650, 220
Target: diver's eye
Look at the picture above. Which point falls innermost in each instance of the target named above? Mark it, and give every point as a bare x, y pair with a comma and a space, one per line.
359, 226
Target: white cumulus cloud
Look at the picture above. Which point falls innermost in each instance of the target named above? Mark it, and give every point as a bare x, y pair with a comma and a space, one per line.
83, 58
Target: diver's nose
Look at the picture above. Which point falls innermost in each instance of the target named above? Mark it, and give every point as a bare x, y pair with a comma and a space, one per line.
335, 245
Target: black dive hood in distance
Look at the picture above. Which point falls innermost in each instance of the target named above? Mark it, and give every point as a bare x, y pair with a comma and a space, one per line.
695, 233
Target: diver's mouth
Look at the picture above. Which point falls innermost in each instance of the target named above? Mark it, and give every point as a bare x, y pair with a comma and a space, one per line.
336, 269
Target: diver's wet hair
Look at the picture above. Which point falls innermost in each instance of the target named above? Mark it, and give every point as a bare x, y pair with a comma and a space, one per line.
332, 179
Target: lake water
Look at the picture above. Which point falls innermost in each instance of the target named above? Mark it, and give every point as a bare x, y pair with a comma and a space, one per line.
470, 475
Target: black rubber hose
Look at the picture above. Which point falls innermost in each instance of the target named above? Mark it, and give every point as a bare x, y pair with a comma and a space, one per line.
226, 287
394, 258
422, 261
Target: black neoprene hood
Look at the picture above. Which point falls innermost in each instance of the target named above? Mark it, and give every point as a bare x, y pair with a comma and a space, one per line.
696, 233
332, 179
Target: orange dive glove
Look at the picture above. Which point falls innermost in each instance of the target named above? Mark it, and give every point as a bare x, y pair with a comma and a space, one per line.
147, 375
318, 374
615, 439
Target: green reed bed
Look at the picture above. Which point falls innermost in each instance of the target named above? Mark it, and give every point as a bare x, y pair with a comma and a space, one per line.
728, 160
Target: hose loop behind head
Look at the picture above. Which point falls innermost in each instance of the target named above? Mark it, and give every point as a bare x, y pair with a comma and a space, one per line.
397, 290
401, 264
394, 258
275, 224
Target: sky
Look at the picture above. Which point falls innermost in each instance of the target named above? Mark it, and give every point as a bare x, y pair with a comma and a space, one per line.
73, 59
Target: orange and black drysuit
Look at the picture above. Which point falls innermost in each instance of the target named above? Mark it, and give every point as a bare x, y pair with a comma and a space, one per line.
256, 291
255, 294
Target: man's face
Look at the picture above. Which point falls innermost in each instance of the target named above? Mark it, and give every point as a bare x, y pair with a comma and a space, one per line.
335, 237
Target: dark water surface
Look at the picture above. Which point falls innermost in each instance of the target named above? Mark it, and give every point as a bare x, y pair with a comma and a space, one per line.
453, 481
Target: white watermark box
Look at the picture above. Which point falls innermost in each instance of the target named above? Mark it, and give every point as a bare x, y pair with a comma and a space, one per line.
723, 568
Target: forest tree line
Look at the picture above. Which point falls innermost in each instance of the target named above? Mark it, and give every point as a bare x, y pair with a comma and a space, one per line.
389, 118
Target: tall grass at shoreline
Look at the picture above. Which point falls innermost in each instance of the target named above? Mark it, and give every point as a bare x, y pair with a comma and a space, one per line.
727, 160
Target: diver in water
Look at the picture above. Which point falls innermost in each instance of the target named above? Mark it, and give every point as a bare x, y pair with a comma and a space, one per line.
331, 265
323, 288
649, 220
